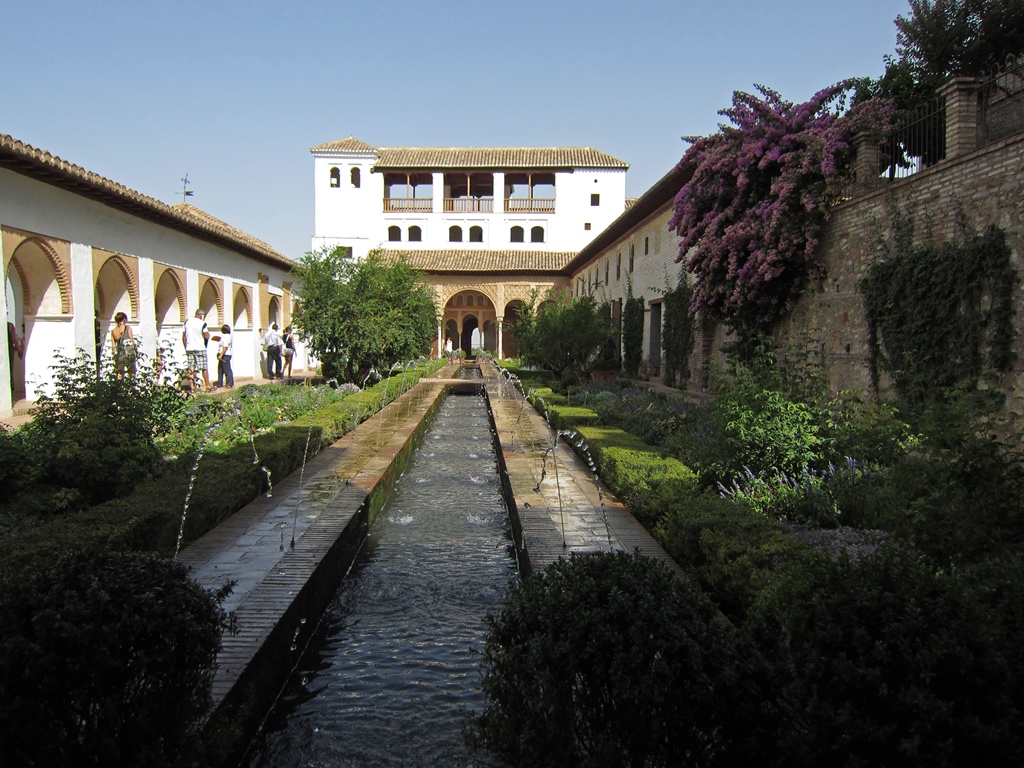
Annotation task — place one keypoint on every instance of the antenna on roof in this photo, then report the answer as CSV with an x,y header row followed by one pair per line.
x,y
185,191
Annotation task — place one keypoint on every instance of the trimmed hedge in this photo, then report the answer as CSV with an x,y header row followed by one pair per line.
x,y
148,518
571,416
646,481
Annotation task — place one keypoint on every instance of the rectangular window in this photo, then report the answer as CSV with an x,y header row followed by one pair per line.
x,y
607,264
587,226
595,199
647,245
618,266
631,258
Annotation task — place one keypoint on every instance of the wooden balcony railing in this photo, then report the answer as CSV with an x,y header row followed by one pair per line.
x,y
469,205
534,205
393,204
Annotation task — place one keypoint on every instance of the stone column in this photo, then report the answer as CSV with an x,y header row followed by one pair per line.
x,y
961,95
498,321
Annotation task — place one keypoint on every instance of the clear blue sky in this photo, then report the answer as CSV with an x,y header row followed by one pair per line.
x,y
235,93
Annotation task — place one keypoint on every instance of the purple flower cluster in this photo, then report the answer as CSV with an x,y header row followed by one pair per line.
x,y
751,214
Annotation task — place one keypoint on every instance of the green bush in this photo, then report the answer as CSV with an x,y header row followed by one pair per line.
x,y
570,416
94,436
609,660
648,483
106,659
733,552
886,661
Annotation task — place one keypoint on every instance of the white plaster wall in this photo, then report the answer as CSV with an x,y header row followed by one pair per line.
x,y
356,217
33,206
347,215
653,272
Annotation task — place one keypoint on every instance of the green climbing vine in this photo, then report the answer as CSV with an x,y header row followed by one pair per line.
x,y
632,332
940,315
677,333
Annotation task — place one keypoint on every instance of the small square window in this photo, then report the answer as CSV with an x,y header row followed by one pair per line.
x,y
586,226
595,199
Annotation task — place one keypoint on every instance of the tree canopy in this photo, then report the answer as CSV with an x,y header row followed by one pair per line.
x,y
941,39
358,315
565,333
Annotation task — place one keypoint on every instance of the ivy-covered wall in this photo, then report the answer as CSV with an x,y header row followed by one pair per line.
x,y
981,188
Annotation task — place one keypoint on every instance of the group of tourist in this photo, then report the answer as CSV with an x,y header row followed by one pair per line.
x,y
196,337
280,351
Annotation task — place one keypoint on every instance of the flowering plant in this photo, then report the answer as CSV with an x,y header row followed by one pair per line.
x,y
750,216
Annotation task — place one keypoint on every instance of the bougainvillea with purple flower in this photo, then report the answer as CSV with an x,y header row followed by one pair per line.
x,y
752,212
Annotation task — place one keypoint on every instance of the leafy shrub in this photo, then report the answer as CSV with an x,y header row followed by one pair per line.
x,y
647,482
570,416
733,552
106,659
608,660
94,436
886,661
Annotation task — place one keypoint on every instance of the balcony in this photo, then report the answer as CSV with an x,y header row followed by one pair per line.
x,y
469,205
401,204
529,205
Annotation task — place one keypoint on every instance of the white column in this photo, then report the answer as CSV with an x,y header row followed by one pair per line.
x,y
499,193
6,398
438,181
83,298
147,307
501,354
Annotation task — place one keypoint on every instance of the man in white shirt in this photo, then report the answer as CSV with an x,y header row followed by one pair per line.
x,y
195,337
273,342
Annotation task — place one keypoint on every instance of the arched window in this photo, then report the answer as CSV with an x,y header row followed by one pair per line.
x,y
395,233
354,175
537,235
516,235
415,234
335,177
476,234
455,234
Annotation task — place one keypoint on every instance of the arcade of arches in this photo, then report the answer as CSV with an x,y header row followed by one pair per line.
x,y
62,296
470,314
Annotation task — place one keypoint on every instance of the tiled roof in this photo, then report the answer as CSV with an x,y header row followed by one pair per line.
x,y
40,165
495,157
479,260
211,220
477,157
348,144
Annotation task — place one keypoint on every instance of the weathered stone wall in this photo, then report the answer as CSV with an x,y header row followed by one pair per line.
x,y
982,187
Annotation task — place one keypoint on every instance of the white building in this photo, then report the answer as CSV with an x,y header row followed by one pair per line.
x,y
431,198
79,248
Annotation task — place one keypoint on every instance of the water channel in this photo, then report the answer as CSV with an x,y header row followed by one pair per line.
x,y
393,672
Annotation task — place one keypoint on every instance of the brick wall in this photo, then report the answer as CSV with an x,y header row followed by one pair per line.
x,y
983,187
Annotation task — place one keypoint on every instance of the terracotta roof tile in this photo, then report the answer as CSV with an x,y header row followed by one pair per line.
x,y
41,165
479,260
348,144
495,157
477,157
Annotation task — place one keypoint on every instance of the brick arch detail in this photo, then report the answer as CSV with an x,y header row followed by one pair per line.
x,y
179,286
130,279
60,270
